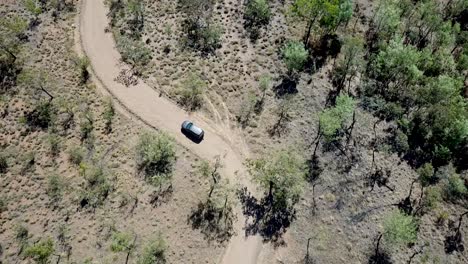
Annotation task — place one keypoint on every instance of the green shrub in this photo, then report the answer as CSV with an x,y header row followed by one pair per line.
x,y
121,242
400,142
433,197
86,125
210,38
156,157
41,251
205,38
426,174
42,116
53,140
153,252
191,92
82,64
294,55
399,228
21,234
97,186
442,217
28,161
76,155
333,119
455,188
257,13
264,83
55,188
108,115
133,52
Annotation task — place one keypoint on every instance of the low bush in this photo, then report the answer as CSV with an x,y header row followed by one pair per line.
x,y
55,188
191,92
86,125
42,116
156,157
41,251
153,252
400,229
121,242
53,140
108,115
257,13
97,186
294,56
76,155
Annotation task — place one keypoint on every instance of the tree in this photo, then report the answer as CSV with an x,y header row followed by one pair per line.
x,y
11,40
330,13
41,251
191,92
440,131
97,186
399,228
455,187
87,125
257,14
108,115
386,19
426,174
133,52
309,11
33,7
82,64
153,252
211,171
284,113
294,56
333,119
136,9
247,108
201,33
400,65
281,175
350,63
11,34
123,242
156,157
55,188
37,81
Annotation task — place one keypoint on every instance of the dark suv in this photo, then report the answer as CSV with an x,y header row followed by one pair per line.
x,y
192,131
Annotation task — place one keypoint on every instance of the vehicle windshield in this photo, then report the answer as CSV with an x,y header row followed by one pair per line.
x,y
189,125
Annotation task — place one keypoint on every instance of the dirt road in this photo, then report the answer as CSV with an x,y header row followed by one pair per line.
x,y
147,105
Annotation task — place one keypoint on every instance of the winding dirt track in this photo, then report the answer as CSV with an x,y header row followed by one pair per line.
x,y
146,104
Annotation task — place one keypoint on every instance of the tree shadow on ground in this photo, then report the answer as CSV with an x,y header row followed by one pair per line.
x,y
287,86
328,46
379,256
161,196
214,223
268,221
314,169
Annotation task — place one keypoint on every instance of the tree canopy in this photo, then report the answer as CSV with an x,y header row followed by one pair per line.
x,y
281,175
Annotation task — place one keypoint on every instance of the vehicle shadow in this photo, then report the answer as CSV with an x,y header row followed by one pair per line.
x,y
191,137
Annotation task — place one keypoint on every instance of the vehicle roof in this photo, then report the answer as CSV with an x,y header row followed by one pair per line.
x,y
196,129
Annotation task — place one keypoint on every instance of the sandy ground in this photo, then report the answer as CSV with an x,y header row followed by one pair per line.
x,y
156,111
